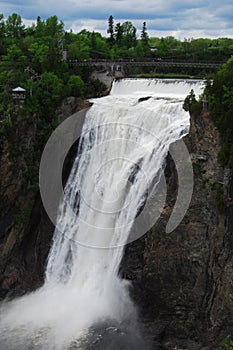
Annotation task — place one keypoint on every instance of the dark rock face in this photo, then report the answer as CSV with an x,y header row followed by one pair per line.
x,y
25,229
17,206
182,281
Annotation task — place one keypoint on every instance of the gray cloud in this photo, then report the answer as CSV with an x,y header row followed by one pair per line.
x,y
181,18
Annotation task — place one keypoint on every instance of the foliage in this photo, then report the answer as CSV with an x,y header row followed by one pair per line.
x,y
145,38
191,105
220,96
14,27
111,30
96,87
125,35
75,86
228,343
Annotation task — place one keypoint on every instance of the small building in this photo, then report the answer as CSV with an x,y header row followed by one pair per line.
x,y
19,94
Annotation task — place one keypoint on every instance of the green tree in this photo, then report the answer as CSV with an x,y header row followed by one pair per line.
x,y
129,38
163,47
99,46
75,86
40,28
220,95
2,26
198,48
228,343
14,26
52,28
144,35
172,42
110,30
14,53
79,50
139,50
39,56
118,34
2,35
192,105
48,92
80,46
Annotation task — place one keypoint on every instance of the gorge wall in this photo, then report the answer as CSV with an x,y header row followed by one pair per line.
x,y
182,281
25,229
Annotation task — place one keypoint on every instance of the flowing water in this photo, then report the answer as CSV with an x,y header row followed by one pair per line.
x,y
120,160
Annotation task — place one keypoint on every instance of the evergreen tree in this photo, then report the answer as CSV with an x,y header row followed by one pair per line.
x,y
119,33
144,36
111,30
2,34
2,26
14,26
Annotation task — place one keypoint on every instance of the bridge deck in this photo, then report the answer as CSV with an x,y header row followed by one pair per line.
x,y
152,63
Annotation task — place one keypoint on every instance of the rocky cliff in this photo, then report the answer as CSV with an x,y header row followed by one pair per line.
x,y
182,281
25,229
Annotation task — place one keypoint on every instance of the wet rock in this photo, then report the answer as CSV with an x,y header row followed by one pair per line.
x,y
182,281
144,98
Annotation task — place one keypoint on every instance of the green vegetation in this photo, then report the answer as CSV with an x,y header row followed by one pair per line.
x,y
192,105
42,44
201,49
220,96
32,58
228,343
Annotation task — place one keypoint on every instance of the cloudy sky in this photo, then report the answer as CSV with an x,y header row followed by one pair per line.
x,y
180,18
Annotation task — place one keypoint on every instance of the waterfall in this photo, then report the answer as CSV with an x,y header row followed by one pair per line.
x,y
121,156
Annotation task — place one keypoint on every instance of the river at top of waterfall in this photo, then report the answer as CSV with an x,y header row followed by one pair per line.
x,y
120,160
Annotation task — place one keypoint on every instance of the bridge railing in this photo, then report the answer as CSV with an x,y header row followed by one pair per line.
x,y
145,62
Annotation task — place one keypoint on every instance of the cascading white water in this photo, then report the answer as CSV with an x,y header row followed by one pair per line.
x,y
124,143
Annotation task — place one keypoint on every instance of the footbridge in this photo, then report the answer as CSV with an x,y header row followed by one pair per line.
x,y
119,65
106,70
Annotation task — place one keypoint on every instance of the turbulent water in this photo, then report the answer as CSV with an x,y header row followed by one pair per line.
x,y
122,150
